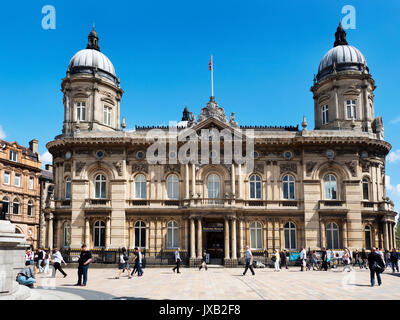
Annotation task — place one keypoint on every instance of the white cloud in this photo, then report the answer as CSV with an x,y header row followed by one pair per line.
x,y
395,120
394,156
395,190
2,133
46,158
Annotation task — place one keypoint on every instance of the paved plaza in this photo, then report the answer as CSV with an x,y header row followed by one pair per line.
x,y
220,283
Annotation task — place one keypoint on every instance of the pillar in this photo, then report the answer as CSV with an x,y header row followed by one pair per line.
x,y
323,234
147,235
199,238
385,236
87,232
108,233
194,179
50,233
192,246
234,243
239,172
394,235
241,237
187,181
233,187
186,232
344,235
226,239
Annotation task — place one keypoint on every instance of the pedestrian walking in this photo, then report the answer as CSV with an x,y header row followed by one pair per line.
x,y
46,261
123,264
324,258
314,261
29,256
303,258
276,259
283,259
387,258
357,259
204,261
177,260
57,260
376,266
394,260
364,258
138,262
84,261
248,256
40,261
346,260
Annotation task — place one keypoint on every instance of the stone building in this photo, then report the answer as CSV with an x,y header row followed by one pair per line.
x,y
313,188
20,169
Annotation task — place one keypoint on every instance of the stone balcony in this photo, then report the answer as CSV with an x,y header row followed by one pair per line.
x,y
98,204
333,205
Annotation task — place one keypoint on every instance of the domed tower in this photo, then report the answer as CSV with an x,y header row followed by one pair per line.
x,y
343,88
91,91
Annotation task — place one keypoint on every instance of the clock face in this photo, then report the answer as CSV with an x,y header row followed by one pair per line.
x,y
330,154
68,155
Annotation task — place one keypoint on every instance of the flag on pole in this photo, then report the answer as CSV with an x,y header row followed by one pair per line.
x,y
210,66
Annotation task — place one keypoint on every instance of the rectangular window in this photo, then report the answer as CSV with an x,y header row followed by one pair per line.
x,y
6,178
351,109
13,156
81,111
31,183
17,180
107,116
325,116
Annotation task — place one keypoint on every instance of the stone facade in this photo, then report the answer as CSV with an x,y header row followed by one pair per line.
x,y
20,169
308,188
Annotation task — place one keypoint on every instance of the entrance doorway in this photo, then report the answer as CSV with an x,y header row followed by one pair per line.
x,y
214,241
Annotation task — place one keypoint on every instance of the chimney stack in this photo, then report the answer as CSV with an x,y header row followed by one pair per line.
x,y
33,145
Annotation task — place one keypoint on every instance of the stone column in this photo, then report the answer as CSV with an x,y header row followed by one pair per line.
x,y
194,179
323,234
385,235
234,245
239,172
50,232
87,232
147,236
186,233
108,233
227,256
199,238
233,183
241,235
187,181
344,234
192,237
394,235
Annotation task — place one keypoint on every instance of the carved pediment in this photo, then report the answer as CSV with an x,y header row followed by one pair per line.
x,y
288,167
352,166
79,165
309,167
140,167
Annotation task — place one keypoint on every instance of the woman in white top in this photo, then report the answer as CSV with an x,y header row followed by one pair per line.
x,y
346,260
276,262
46,262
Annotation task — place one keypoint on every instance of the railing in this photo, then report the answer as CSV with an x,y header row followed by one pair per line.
x,y
63,203
133,203
172,202
98,203
332,204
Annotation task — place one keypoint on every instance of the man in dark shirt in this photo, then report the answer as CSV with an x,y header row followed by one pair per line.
x,y
394,260
324,258
84,261
376,266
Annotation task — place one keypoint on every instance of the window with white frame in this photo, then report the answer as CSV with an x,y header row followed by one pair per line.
x,y
107,115
332,236
140,186
351,109
99,234
330,187
290,235
68,188
255,187
100,186
13,156
30,208
140,234
31,182
81,111
172,235
325,114
17,180
213,187
172,186
288,187
256,235
6,179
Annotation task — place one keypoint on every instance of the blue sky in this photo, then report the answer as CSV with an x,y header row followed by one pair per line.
x,y
160,49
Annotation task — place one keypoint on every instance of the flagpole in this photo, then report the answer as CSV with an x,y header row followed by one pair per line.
x,y
212,77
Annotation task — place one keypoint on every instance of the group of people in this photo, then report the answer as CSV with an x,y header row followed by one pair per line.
x,y
27,275
125,265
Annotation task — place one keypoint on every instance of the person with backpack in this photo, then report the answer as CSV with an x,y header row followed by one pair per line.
x,y
376,266
123,264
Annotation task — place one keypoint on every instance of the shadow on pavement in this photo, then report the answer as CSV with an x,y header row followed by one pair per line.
x,y
84,293
130,298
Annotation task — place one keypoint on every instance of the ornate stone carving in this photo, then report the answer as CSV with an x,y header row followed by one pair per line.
x,y
67,167
119,166
382,171
309,167
365,166
83,151
352,166
288,167
114,151
228,167
143,167
259,167
172,168
79,166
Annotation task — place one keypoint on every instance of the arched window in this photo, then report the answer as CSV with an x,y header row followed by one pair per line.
x,y
140,187
365,188
290,235
213,186
67,234
288,187
255,187
30,208
256,235
172,187
99,234
16,206
330,187
100,186
6,205
140,234
172,235
368,237
68,188
332,236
